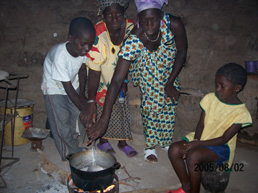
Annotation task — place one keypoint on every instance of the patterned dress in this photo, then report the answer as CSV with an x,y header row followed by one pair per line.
x,y
150,70
103,57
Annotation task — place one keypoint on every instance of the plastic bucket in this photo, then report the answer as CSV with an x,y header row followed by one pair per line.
x,y
23,120
251,66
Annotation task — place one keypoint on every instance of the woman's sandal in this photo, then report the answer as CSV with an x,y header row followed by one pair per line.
x,y
165,148
106,147
128,149
149,152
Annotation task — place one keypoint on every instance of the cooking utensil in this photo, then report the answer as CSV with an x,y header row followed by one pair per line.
x,y
94,167
184,93
103,164
35,133
81,129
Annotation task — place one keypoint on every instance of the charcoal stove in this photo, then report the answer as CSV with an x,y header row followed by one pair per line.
x,y
112,188
36,144
36,135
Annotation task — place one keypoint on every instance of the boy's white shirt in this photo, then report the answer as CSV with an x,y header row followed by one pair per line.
x,y
60,66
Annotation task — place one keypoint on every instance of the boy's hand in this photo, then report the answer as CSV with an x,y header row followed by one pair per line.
x,y
189,146
183,152
83,100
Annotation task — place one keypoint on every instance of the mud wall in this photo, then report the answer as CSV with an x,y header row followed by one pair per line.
x,y
219,31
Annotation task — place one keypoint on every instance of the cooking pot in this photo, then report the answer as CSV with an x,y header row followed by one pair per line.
x,y
93,169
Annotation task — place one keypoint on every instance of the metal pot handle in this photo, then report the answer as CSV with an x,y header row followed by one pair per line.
x,y
116,166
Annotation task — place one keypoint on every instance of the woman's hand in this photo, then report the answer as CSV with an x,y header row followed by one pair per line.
x,y
171,92
97,130
100,127
88,115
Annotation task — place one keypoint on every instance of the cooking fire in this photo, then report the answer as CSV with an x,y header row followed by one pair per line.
x,y
113,188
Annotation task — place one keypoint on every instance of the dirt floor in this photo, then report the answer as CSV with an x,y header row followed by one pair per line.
x,y
48,175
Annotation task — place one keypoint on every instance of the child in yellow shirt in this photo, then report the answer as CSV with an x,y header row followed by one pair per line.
x,y
214,140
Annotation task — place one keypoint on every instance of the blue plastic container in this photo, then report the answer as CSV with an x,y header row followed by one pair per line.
x,y
251,66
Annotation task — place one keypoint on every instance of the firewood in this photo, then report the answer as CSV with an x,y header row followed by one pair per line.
x,y
155,190
53,170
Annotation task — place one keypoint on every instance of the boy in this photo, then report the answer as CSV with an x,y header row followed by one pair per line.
x,y
64,76
214,140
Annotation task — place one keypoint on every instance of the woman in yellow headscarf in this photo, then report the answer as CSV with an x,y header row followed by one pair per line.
x,y
111,32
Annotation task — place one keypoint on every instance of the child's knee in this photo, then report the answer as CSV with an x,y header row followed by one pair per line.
x,y
175,149
192,158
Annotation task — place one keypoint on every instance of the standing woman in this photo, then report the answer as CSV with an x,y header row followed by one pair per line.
x,y
155,52
111,32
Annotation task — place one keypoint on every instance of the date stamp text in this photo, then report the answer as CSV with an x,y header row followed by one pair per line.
x,y
236,167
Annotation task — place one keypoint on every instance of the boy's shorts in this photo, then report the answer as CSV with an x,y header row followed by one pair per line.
x,y
222,151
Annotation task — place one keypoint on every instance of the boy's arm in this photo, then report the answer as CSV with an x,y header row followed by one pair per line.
x,y
89,114
82,83
229,133
72,94
200,126
77,99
